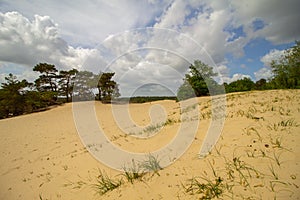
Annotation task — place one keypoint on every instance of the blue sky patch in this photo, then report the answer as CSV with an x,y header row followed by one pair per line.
x,y
258,24
235,33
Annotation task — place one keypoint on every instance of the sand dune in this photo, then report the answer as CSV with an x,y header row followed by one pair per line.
x,y
42,156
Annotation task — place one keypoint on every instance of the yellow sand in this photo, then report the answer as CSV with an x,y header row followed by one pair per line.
x,y
42,157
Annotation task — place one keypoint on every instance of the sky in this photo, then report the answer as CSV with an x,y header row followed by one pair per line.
x,y
149,44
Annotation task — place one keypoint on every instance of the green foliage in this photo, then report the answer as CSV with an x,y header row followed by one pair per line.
x,y
286,70
144,99
133,172
105,183
208,190
151,164
84,84
12,98
47,81
185,91
261,84
245,84
18,97
66,82
197,82
107,88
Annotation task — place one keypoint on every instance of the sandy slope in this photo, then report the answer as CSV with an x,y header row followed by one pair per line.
x,y
41,155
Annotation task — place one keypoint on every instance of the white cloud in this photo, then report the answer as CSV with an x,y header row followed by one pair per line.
x,y
20,71
273,54
67,34
236,77
264,73
224,75
201,23
89,22
280,19
28,42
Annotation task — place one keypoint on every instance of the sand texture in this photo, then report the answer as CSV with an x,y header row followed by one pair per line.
x,y
256,157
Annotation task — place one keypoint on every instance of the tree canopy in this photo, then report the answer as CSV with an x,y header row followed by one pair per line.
x,y
245,84
286,71
53,87
107,88
12,96
196,82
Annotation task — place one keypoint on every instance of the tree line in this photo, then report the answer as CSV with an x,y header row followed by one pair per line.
x,y
54,87
286,75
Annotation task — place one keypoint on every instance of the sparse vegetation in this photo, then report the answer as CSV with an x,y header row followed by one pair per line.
x,y
105,184
133,172
208,190
151,164
267,144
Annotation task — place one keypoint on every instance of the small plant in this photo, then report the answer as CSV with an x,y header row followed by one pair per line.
x,y
252,130
170,122
273,127
212,168
133,172
151,164
277,143
189,108
263,153
218,150
105,183
274,183
288,122
275,175
277,158
244,171
76,185
208,190
151,129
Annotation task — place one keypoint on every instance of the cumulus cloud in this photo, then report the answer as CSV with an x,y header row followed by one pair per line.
x,y
236,77
264,73
279,19
28,42
205,30
273,54
224,75
199,21
20,71
89,22
156,56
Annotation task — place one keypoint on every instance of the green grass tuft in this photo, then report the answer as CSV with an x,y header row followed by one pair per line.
x,y
105,183
151,164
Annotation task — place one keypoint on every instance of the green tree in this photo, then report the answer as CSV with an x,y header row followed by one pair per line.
x,y
47,81
199,78
286,70
85,84
185,91
66,83
12,100
261,84
245,84
107,88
